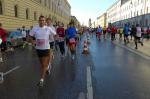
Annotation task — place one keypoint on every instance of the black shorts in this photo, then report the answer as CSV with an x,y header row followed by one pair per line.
x,y
24,39
138,38
3,46
126,35
51,45
42,53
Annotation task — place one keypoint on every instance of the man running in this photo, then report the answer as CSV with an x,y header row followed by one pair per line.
x,y
3,33
99,32
61,38
51,42
126,33
42,34
138,36
71,34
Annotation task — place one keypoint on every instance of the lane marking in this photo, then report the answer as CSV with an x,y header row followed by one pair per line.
x,y
89,83
6,73
15,68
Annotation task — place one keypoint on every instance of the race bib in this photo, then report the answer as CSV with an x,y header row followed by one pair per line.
x,y
41,43
72,40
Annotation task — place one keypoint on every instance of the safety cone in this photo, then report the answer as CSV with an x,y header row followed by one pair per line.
x,y
85,48
88,41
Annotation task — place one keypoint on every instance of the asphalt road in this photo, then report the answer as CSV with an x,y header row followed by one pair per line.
x,y
118,73
108,72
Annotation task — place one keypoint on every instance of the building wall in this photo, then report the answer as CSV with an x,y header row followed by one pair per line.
x,y
131,11
48,8
113,13
102,20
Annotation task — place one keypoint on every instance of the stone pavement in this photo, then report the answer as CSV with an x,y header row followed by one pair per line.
x,y
141,49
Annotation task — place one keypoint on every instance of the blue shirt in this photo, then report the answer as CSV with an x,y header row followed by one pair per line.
x,y
99,30
126,30
71,32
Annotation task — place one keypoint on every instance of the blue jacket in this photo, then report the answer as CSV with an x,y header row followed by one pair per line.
x,y
71,32
126,30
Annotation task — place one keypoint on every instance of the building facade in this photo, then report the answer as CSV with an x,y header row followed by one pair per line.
x,y
17,13
76,21
102,20
131,12
113,13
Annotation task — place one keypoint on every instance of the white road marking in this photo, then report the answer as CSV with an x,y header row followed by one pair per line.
x,y
6,73
11,70
89,83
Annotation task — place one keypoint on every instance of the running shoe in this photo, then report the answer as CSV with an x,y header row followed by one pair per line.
x,y
41,83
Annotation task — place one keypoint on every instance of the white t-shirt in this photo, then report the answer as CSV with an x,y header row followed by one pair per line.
x,y
53,32
24,33
41,35
139,32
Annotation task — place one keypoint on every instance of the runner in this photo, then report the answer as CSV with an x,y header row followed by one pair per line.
x,y
138,36
67,39
126,34
3,37
42,34
99,31
61,38
51,42
148,33
71,34
133,32
113,33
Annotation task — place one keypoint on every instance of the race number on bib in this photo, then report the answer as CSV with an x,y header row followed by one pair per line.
x,y
72,40
41,42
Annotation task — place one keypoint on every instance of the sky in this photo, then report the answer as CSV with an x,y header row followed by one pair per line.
x,y
86,9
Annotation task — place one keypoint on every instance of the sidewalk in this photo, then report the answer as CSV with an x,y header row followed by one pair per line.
x,y
141,49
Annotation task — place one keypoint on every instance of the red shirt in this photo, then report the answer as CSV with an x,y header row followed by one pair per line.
x,y
113,30
61,32
148,31
3,35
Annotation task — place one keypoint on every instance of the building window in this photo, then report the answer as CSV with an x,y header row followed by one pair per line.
x,y
146,22
45,2
16,10
35,16
1,7
27,13
49,4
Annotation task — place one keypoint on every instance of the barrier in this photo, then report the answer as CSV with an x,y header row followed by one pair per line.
x,y
85,47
